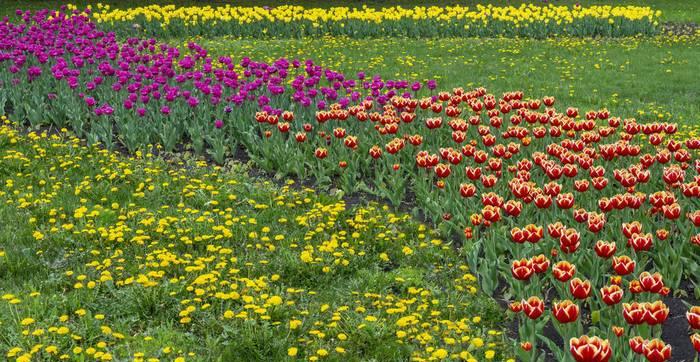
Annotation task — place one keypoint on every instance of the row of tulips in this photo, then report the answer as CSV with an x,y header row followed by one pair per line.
x,y
527,20
608,204
60,68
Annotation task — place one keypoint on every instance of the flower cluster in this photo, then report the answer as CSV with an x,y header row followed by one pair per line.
x,y
435,21
73,73
600,210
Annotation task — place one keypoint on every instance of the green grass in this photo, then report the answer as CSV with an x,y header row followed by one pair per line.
x,y
673,10
136,258
646,78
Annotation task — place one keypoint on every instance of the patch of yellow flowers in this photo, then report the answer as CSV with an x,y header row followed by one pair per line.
x,y
289,13
140,260
290,21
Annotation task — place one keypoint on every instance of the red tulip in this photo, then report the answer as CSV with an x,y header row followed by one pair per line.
x,y
580,215
563,271
693,317
611,294
565,311
394,146
565,201
673,175
521,269
605,249
656,350
599,183
415,140
635,287
641,242
590,349
580,289
695,340
473,173
491,213
518,235
623,265
633,313
339,132
489,180
526,346
442,170
512,208
618,331
695,239
454,157
407,117
540,263
433,123
581,185
631,228
533,307
655,313
351,142
467,190
375,152
468,232
492,199
534,233
596,171
596,222
694,217
282,127
637,344
671,212
662,234
652,283
555,229
543,201
321,153
553,189
459,136
570,240
480,156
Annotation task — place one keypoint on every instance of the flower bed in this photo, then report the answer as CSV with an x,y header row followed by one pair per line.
x,y
116,258
526,20
598,210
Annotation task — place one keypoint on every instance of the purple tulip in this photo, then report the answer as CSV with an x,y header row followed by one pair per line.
x,y
90,101
432,84
136,72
